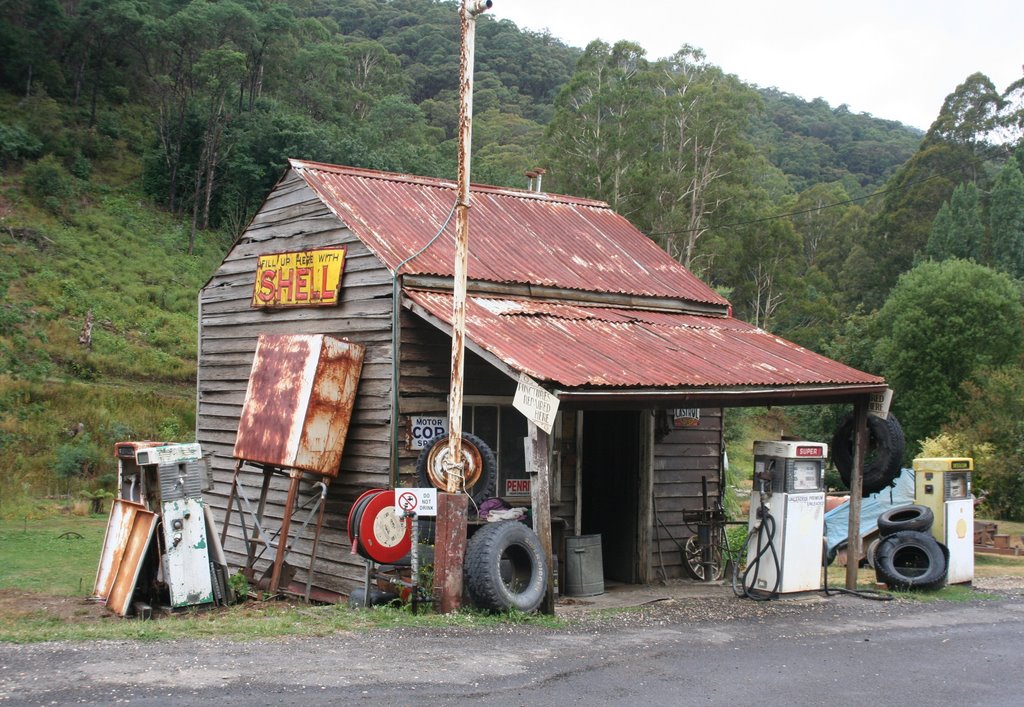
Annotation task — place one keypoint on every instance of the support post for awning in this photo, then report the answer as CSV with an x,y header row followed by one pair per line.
x,y
860,447
539,467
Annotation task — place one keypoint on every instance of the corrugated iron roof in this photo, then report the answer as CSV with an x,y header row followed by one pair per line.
x,y
516,236
574,346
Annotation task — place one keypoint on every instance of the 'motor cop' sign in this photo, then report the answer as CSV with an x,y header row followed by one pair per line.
x,y
309,278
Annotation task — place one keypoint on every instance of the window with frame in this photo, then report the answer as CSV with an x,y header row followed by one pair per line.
x,y
503,428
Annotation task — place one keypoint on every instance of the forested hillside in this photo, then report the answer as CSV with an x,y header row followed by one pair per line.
x,y
138,136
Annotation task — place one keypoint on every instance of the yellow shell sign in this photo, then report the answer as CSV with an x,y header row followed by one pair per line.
x,y
309,278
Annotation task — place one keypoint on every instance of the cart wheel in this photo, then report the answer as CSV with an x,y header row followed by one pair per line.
x,y
693,560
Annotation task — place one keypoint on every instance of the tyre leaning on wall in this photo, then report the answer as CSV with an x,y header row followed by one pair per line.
x,y
480,471
505,567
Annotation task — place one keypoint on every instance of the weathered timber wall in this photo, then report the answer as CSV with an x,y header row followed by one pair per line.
x,y
293,219
681,459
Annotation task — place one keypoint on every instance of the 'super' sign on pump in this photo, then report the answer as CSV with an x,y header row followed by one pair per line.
x,y
303,279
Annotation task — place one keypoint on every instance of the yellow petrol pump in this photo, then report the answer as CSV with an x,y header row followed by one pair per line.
x,y
944,485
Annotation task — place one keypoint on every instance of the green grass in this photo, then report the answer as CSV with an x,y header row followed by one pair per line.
x,y
110,253
45,556
952,592
252,621
34,558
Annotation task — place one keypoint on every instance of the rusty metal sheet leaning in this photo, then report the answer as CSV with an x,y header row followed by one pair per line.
x,y
299,402
129,531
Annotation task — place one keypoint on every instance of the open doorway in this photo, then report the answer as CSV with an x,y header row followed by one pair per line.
x,y
611,489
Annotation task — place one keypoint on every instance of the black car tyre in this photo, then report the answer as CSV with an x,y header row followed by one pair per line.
x,y
910,559
884,456
505,567
912,517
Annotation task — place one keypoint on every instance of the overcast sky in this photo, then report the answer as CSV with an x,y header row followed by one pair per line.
x,y
895,59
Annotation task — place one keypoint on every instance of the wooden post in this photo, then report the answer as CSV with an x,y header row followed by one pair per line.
x,y
294,477
452,510
538,465
577,525
455,466
468,11
860,447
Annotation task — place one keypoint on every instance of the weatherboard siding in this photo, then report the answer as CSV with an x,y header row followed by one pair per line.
x,y
294,219
681,458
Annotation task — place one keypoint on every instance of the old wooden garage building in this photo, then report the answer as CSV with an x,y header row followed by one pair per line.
x,y
641,355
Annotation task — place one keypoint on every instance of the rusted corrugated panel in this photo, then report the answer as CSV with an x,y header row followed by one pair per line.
x,y
576,346
516,236
299,402
129,531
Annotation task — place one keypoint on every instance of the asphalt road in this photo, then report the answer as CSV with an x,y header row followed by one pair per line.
x,y
830,651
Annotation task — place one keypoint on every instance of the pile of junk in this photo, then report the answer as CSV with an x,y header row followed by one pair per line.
x,y
916,524
161,548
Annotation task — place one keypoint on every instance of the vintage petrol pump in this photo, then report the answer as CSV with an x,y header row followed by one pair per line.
x,y
944,485
787,517
169,479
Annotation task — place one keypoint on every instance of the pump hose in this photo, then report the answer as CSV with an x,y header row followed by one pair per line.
x,y
872,594
754,564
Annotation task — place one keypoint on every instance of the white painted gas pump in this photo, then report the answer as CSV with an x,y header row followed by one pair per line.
x,y
944,485
787,518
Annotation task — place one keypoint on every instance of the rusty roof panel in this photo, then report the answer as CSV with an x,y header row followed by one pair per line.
x,y
516,236
577,346
299,402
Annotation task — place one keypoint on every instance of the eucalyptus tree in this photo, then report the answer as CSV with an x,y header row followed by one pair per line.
x,y
1006,220
32,35
104,45
178,73
700,115
599,140
958,230
900,231
968,114
952,152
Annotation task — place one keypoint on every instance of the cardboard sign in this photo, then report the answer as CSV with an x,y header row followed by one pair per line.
x,y
309,278
538,405
879,404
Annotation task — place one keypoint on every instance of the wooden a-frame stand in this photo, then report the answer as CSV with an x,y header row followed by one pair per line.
x,y
280,571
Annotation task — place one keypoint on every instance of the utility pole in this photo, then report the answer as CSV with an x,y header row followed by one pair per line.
x,y
453,505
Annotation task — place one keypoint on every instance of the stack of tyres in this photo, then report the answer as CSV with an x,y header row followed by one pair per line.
x,y
907,556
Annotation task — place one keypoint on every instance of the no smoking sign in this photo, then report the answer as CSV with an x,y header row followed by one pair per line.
x,y
422,502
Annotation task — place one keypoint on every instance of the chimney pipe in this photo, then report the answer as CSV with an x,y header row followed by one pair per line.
x,y
530,175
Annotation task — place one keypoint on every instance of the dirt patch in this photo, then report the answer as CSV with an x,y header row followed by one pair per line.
x,y
1005,583
17,603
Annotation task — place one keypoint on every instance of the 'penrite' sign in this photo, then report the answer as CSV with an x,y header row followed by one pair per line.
x,y
309,278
